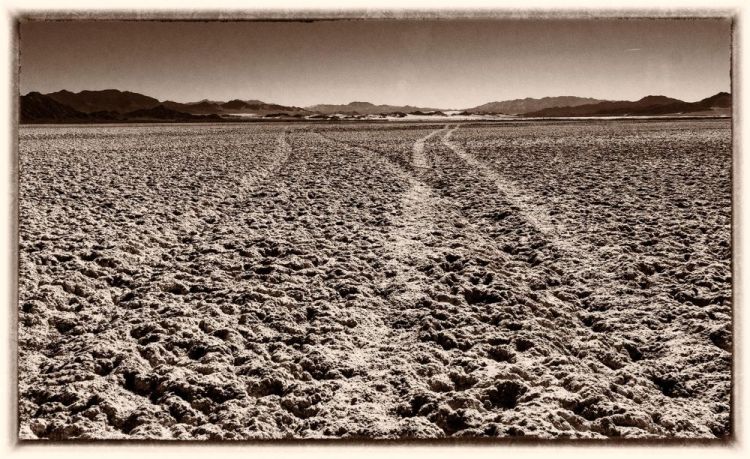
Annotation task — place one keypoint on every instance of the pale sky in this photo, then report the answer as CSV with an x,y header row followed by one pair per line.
x,y
443,64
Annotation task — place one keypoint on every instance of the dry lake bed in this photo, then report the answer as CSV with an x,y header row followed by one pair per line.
x,y
380,281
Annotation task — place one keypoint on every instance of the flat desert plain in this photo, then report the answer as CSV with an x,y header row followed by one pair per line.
x,y
376,281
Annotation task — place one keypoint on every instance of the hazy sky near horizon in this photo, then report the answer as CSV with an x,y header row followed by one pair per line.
x,y
441,64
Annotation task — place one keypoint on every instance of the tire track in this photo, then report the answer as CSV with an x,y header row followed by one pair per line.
x,y
422,209
388,352
415,243
419,160
258,176
418,216
536,214
422,212
183,207
360,399
429,228
432,227
336,292
586,350
586,275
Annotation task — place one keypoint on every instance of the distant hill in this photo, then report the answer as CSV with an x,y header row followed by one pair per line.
x,y
113,100
233,107
204,107
719,100
365,108
520,106
648,106
110,100
36,107
39,108
259,107
112,105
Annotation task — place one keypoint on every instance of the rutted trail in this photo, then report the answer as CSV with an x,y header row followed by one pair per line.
x,y
633,249
419,214
537,214
609,306
456,282
419,160
267,171
340,281
119,299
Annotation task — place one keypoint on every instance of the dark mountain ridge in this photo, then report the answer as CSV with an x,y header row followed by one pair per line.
x,y
123,106
647,106
233,107
111,100
365,108
36,108
520,106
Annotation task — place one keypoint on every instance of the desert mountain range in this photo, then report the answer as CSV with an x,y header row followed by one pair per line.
x,y
113,105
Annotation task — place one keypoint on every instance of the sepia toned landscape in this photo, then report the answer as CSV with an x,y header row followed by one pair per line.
x,y
559,279
245,250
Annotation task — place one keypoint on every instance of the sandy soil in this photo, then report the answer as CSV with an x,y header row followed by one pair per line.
x,y
555,280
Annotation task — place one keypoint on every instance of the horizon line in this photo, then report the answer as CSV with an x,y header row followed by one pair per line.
x,y
161,101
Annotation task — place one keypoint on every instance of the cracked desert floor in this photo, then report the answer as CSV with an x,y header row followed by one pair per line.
x,y
387,280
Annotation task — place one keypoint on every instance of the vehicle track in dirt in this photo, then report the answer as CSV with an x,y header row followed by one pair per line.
x,y
609,306
126,320
362,282
530,206
422,212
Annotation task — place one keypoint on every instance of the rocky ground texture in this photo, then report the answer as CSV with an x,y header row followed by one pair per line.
x,y
267,281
